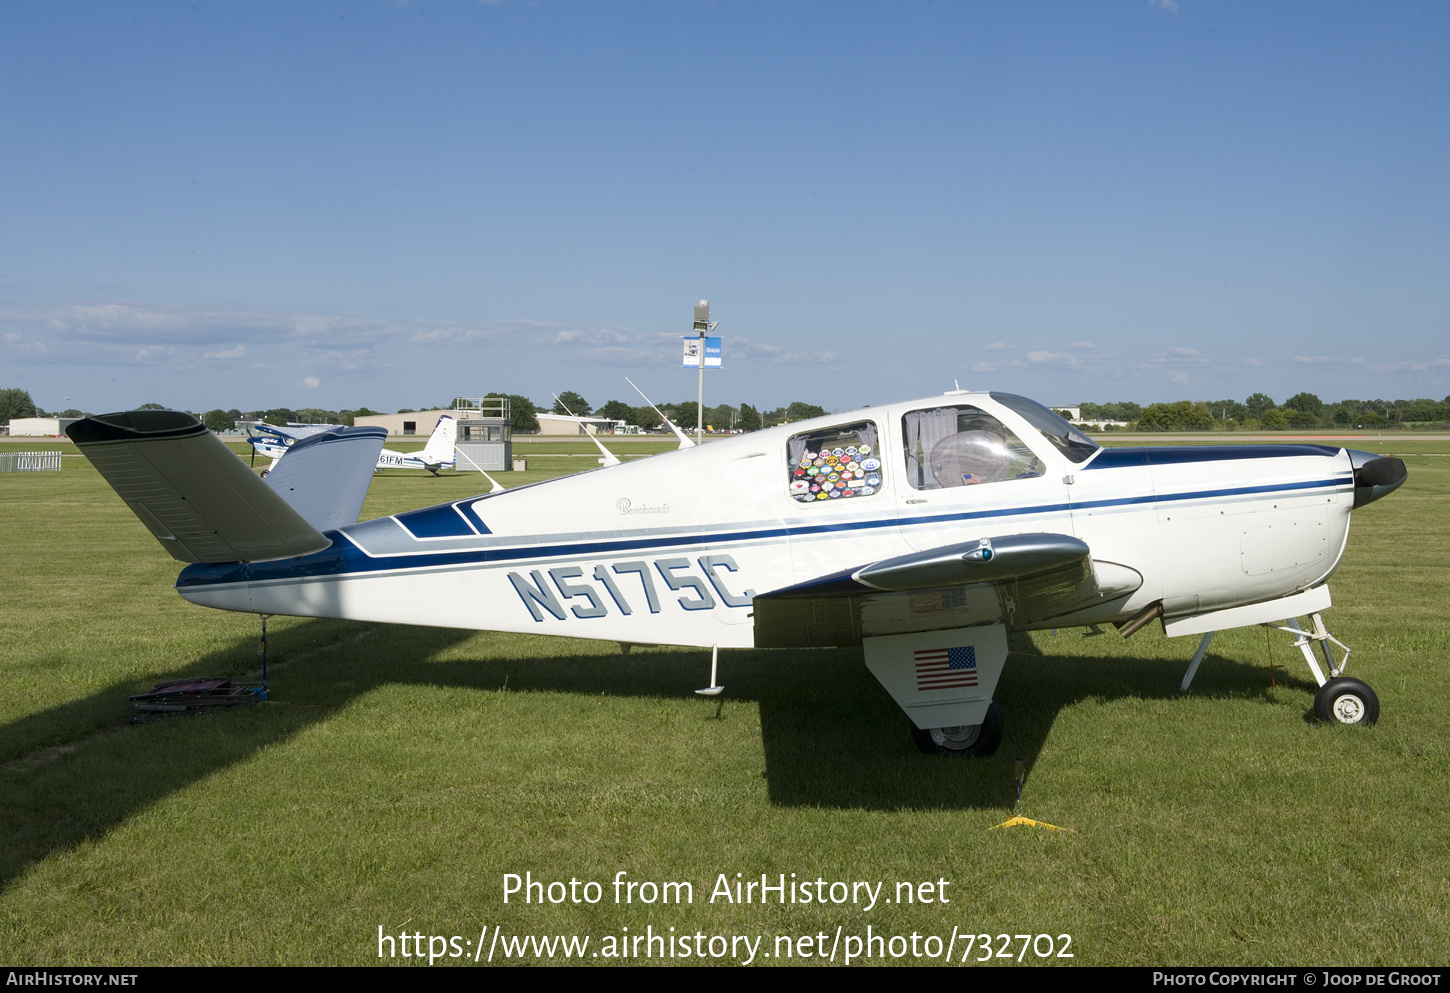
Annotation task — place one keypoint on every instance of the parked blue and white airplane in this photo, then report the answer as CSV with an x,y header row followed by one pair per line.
x,y
439,453
926,532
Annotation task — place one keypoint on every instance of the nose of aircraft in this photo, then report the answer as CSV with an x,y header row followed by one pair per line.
x,y
1375,476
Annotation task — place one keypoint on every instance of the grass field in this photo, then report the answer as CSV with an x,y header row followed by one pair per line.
x,y
398,775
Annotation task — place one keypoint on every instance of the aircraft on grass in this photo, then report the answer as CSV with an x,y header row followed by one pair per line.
x,y
439,453
926,532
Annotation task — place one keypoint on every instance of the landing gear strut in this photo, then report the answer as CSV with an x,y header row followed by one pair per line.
x,y
1340,700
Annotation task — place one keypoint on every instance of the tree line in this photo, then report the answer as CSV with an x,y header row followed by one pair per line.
x,y
1303,411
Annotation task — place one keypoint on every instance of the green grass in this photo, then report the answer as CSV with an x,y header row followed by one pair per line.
x,y
400,772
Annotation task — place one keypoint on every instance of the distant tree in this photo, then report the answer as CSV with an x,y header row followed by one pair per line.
x,y
523,415
1124,411
16,403
1228,410
721,418
316,415
349,417
617,410
1302,419
799,411
684,415
749,418
646,418
577,405
1275,418
153,406
218,421
1306,402
1181,416
1258,404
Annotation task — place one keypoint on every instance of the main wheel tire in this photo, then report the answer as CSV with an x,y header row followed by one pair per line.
x,y
976,740
1346,701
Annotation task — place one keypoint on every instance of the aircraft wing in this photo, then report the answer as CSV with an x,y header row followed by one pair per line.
x,y
988,580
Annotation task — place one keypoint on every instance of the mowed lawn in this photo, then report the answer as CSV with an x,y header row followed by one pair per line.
x,y
398,775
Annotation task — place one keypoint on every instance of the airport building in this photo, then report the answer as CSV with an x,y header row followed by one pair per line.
x,y
40,427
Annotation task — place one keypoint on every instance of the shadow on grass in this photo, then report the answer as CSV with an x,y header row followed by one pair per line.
x,y
831,735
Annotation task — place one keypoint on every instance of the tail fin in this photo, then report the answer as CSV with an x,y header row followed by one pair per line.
x,y
200,501
325,477
439,450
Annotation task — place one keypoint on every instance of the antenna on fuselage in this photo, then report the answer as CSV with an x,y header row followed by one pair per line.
x,y
685,441
497,486
609,457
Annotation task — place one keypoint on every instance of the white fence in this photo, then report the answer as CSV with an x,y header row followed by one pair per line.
x,y
29,461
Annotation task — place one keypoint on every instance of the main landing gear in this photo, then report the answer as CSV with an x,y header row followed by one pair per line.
x,y
976,740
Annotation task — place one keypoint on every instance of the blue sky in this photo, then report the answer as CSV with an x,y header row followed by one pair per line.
x,y
389,204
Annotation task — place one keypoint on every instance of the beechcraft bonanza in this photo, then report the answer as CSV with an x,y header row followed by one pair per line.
x,y
439,453
926,532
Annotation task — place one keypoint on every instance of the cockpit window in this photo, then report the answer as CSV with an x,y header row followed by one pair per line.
x,y
1067,439
834,464
962,446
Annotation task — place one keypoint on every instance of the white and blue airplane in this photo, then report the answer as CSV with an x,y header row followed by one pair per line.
x,y
439,453
926,532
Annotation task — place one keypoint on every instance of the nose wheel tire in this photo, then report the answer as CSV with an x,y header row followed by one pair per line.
x,y
976,740
1346,701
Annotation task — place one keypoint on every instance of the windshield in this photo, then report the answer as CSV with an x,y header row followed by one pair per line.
x,y
1067,439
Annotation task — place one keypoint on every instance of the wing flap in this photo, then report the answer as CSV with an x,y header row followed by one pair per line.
x,y
200,501
1021,577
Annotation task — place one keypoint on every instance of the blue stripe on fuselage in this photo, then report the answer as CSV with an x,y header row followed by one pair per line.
x,y
1120,458
344,557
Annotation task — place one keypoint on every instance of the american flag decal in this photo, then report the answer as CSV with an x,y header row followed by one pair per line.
x,y
946,668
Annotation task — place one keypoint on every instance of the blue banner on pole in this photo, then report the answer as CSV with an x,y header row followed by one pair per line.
x,y
692,353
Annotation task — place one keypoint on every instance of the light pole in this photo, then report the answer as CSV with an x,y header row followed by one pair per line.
x,y
702,328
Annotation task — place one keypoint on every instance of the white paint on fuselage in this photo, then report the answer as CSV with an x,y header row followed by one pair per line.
x,y
1184,526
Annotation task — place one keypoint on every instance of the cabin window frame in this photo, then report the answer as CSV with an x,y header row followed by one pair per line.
x,y
808,480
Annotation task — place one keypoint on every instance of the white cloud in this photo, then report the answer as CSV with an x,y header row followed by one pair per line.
x,y
995,346
1169,5
311,382
145,324
1053,358
230,353
1081,344
1331,361
1176,357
